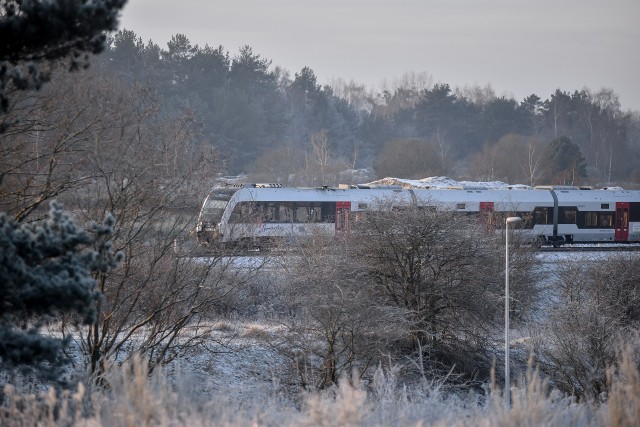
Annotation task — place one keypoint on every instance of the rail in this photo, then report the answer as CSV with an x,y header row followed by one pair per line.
x,y
592,248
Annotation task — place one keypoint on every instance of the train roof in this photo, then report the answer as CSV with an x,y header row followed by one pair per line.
x,y
471,195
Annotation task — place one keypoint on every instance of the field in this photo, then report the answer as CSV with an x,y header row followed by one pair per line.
x,y
242,377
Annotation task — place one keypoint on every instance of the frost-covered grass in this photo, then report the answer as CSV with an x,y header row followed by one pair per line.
x,y
242,380
136,398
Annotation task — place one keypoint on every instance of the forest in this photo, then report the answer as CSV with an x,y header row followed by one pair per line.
x,y
260,121
291,129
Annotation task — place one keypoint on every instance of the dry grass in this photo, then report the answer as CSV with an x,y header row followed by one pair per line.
x,y
622,409
534,404
136,398
346,408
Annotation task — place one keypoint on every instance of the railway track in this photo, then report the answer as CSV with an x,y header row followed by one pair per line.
x,y
204,252
592,248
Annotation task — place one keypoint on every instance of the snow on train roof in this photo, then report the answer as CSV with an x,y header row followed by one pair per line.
x,y
442,182
433,183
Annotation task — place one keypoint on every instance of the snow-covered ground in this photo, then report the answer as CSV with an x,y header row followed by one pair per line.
x,y
584,257
237,362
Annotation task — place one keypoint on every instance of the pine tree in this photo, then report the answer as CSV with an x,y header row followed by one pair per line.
x,y
35,32
47,269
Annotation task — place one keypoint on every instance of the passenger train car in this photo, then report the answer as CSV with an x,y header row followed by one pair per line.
x,y
254,215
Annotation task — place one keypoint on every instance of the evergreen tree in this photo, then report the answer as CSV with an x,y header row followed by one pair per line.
x,y
501,116
46,270
442,116
34,32
531,109
566,161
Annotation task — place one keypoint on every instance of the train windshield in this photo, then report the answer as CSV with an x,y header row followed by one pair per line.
x,y
213,207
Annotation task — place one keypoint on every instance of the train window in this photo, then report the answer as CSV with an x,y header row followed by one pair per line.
x,y
595,219
308,212
605,220
245,212
527,219
302,214
269,212
362,206
543,215
634,212
285,212
213,209
315,214
623,218
567,215
328,213
590,219
604,206
460,206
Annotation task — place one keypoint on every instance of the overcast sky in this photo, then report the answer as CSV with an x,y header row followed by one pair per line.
x,y
520,47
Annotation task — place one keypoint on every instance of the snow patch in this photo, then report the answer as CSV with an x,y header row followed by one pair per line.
x,y
442,182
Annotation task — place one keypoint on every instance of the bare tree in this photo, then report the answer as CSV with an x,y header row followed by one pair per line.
x,y
320,166
513,158
354,93
444,148
147,174
483,164
42,154
446,272
476,94
334,327
320,154
531,163
407,283
279,164
595,314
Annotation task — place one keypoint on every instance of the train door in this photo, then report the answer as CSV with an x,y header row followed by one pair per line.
x,y
622,222
343,211
486,216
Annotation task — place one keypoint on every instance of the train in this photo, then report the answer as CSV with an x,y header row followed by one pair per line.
x,y
257,215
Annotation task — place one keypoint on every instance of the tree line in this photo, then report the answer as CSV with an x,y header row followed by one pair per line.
x,y
265,122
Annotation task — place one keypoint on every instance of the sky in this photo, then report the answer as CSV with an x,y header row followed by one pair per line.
x,y
519,47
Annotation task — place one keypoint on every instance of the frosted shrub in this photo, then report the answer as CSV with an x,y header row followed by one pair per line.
x,y
595,311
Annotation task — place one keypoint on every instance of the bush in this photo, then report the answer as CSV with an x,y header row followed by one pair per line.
x,y
447,273
596,312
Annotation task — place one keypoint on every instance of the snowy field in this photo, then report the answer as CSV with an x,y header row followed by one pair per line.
x,y
240,380
248,364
